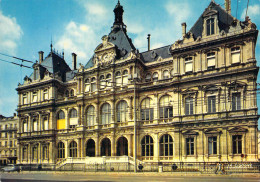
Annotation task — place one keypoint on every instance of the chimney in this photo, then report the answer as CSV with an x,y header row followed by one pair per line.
x,y
148,38
74,61
183,25
228,6
40,56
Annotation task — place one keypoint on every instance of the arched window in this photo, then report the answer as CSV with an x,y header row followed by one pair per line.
x,y
122,111
61,150
106,114
73,118
73,149
118,79
72,93
93,84
109,80
146,110
61,115
155,76
73,113
165,109
166,145
125,77
166,74
91,116
147,146
61,123
67,93
45,152
87,85
102,82
148,77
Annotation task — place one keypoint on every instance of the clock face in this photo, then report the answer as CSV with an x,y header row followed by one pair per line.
x,y
105,57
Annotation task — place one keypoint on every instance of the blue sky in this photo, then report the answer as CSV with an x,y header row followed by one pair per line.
x,y
27,26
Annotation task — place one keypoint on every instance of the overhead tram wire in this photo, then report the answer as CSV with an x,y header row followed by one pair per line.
x,y
23,60
21,65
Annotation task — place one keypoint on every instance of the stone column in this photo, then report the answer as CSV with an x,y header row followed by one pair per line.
x,y
156,148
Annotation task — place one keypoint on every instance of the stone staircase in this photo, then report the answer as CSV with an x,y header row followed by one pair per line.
x,y
97,160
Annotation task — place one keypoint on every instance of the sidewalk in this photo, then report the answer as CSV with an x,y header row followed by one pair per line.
x,y
253,175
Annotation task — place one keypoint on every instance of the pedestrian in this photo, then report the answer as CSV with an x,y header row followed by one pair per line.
x,y
219,168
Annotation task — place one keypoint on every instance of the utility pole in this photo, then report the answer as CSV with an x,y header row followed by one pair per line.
x,y
135,142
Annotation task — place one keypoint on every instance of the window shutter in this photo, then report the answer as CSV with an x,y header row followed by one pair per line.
x,y
151,114
211,62
191,105
161,112
188,67
235,57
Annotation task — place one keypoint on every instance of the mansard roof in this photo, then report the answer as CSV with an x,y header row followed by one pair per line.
x,y
224,19
153,55
55,63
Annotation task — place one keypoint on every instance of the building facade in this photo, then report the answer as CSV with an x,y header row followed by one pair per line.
x,y
8,141
192,101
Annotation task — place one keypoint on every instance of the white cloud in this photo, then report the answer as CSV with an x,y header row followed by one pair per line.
x,y
164,34
82,38
253,12
11,33
95,9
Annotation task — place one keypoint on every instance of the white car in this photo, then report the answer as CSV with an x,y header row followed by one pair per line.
x,y
11,167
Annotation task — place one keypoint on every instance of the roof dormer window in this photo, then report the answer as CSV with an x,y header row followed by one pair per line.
x,y
210,23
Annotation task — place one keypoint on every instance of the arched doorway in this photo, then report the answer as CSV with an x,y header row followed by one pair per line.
x,y
122,146
106,147
90,148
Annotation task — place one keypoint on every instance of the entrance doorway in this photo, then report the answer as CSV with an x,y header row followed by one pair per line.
x,y
122,147
106,147
90,148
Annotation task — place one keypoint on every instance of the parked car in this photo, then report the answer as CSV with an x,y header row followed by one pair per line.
x,y
11,168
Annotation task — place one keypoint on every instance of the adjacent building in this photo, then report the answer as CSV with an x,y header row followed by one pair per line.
x,y
191,101
8,141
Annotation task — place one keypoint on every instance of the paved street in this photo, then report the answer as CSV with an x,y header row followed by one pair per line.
x,y
122,177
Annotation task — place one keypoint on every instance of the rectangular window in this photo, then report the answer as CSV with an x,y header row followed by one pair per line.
x,y
210,26
24,153
188,64
35,124
236,101
237,144
93,87
45,95
211,59
147,114
46,124
34,97
235,55
211,104
189,106
118,81
24,98
125,80
212,141
87,87
189,146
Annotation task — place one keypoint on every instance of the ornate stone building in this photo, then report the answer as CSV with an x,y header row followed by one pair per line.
x,y
192,101
8,141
